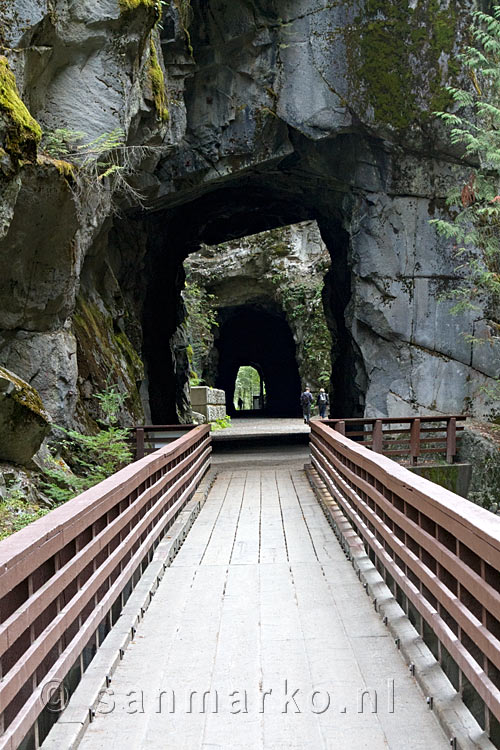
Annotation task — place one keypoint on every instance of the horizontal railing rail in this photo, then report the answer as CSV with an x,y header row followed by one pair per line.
x,y
65,578
439,554
149,438
406,437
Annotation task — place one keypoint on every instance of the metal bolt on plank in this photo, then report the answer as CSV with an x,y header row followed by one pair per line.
x,y
411,668
430,701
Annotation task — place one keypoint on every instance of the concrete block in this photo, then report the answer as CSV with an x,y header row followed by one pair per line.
x,y
215,412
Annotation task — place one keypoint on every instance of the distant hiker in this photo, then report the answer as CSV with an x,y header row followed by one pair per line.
x,y
322,402
240,403
306,400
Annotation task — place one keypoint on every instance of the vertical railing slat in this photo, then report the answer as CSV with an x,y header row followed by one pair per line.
x,y
378,438
451,440
415,441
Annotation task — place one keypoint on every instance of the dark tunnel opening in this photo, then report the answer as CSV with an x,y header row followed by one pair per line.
x,y
241,209
250,335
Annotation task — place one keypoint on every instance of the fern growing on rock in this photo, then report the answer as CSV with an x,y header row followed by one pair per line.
x,y
474,226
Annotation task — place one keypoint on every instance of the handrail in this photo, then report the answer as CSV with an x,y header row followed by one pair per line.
x,y
65,578
440,555
148,437
412,441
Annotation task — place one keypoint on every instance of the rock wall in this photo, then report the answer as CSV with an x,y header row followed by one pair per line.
x,y
480,446
68,325
282,271
266,114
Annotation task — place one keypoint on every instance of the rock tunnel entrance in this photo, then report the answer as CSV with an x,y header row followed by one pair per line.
x,y
252,335
251,331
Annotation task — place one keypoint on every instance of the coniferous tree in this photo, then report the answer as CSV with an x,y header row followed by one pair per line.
x,y
474,224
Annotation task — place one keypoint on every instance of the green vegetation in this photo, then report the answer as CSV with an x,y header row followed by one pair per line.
x,y
23,133
98,166
247,386
16,511
157,83
88,460
92,458
98,153
221,423
185,16
200,323
104,353
394,51
303,305
24,394
474,223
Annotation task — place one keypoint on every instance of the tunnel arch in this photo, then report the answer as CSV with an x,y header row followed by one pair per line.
x,y
238,208
248,335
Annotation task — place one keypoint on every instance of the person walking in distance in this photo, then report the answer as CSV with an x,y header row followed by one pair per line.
x,y
322,402
305,402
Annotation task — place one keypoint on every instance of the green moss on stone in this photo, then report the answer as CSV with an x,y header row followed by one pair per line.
x,y
105,355
65,168
24,394
22,132
157,83
127,6
394,52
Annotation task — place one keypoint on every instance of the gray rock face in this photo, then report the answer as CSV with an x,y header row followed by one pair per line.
x,y
484,455
23,421
80,66
286,112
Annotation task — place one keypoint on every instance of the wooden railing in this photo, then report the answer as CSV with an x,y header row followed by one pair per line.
x,y
410,437
439,554
65,578
149,438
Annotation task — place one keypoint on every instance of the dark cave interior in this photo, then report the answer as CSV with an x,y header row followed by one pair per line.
x,y
251,335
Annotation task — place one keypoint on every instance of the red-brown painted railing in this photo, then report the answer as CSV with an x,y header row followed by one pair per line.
x,y
410,437
64,578
148,438
441,551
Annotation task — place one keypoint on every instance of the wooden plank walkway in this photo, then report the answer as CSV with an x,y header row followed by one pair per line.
x,y
261,608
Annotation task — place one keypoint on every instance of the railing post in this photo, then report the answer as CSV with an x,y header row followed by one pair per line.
x,y
415,441
451,440
139,437
377,437
340,427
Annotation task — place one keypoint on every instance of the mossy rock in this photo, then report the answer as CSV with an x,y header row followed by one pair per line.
x,y
106,355
24,423
129,6
396,52
157,81
19,131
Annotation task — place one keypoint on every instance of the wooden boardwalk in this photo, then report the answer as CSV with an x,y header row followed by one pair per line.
x,y
261,608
